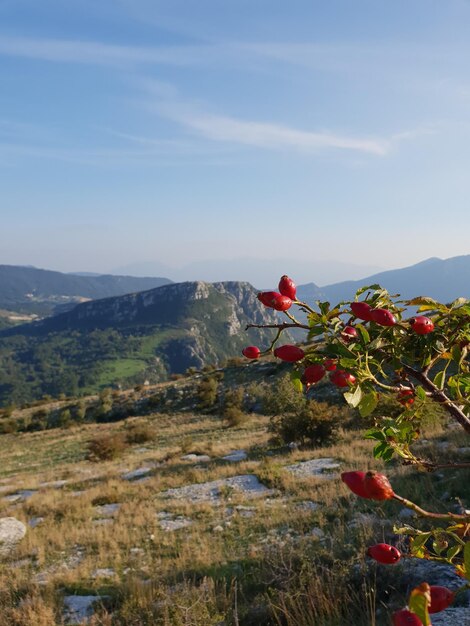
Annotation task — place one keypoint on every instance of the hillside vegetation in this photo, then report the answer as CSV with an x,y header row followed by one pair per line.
x,y
128,340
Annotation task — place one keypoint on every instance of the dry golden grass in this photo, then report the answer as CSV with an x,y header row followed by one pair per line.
x,y
196,575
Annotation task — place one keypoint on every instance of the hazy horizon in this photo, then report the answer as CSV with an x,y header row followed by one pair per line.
x,y
331,135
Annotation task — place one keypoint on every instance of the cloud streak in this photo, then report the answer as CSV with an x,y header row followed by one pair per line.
x,y
276,136
99,53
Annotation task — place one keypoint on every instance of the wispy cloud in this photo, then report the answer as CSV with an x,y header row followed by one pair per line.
x,y
265,135
99,53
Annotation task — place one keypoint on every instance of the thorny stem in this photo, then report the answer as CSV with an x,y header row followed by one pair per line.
x,y
282,326
443,516
439,396
291,317
304,305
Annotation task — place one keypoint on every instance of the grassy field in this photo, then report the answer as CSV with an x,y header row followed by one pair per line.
x,y
293,555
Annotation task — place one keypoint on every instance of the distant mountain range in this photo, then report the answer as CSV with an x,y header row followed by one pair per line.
x,y
129,339
150,334
31,290
441,279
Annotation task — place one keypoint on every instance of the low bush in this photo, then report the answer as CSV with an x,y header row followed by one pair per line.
x,y
140,433
106,447
315,424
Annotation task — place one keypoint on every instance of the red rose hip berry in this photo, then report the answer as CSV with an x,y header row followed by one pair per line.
x,y
349,333
384,553
406,397
382,317
441,598
421,325
313,373
289,353
330,365
251,352
268,298
377,486
361,310
287,287
355,482
341,378
406,618
282,303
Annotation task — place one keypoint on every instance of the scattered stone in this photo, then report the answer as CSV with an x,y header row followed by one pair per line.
x,y
196,458
245,511
406,514
77,609
102,521
464,451
247,485
416,570
363,519
12,532
317,533
22,563
20,496
105,510
235,456
142,450
76,494
35,521
55,484
170,522
141,472
315,467
458,616
307,506
218,529
103,572
136,551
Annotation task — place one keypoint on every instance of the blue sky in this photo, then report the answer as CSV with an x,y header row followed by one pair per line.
x,y
234,139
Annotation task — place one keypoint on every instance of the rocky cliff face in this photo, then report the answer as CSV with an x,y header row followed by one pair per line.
x,y
170,304
141,336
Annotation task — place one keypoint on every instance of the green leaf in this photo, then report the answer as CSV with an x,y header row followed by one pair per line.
x,y
364,335
353,397
368,403
417,544
368,288
423,300
375,434
453,551
420,601
456,353
458,303
295,377
466,560
382,449
420,393
439,379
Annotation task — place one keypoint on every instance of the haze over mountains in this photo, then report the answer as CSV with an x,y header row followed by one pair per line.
x,y
443,280
33,290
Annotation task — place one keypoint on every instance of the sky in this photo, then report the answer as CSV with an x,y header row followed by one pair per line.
x,y
234,139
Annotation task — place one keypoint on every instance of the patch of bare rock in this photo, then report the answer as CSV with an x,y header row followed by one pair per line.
x,y
214,491
322,468
12,532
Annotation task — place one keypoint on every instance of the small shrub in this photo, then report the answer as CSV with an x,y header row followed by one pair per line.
x,y
235,416
207,393
8,426
283,398
140,433
316,424
39,421
106,447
